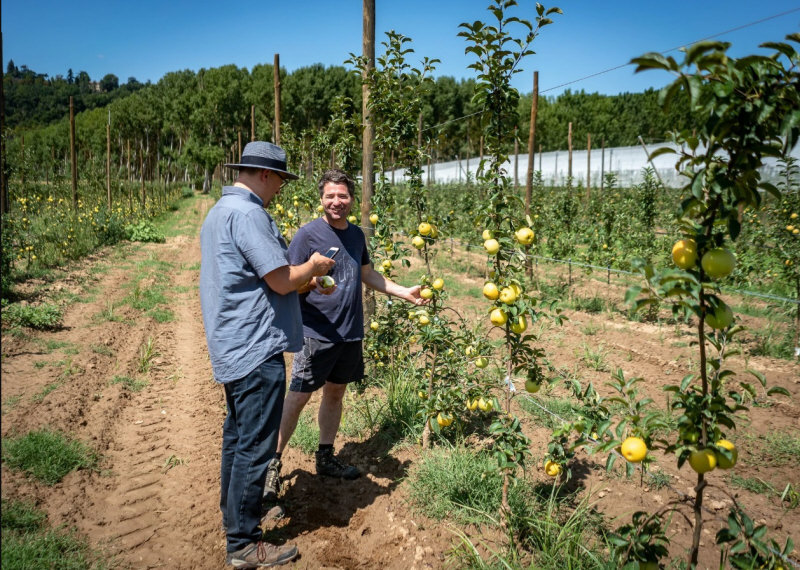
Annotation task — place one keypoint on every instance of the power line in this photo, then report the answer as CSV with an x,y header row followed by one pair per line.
x,y
610,69
736,29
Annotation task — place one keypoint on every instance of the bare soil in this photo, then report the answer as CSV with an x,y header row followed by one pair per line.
x,y
154,501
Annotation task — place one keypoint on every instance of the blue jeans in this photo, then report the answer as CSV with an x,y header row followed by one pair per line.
x,y
249,441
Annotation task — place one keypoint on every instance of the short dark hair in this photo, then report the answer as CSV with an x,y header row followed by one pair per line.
x,y
336,176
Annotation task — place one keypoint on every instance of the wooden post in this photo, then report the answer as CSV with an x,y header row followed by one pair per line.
x,y
141,176
588,165
108,160
428,182
368,150
252,123
419,130
276,70
4,201
569,147
73,158
516,157
531,141
602,163
469,151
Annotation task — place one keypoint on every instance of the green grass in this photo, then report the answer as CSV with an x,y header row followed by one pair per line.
x,y
464,487
101,349
28,542
10,403
161,315
51,345
594,357
47,455
773,341
40,317
306,435
589,305
147,353
752,484
39,396
130,384
562,408
658,479
773,448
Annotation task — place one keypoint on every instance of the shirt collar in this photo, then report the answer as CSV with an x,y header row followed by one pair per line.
x,y
243,193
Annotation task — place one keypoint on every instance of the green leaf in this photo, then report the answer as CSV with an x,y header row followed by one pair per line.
x,y
759,376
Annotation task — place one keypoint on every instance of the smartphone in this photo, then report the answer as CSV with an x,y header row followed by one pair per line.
x,y
331,252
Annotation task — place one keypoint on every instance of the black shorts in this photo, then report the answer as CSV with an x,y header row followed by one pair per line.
x,y
321,361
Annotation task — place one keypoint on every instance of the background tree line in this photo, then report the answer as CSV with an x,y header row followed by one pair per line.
x,y
186,124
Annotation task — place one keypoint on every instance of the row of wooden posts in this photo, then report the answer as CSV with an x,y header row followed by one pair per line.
x,y
367,143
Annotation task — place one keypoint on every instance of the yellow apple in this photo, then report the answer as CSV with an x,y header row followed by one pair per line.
x,y
326,281
487,234
702,460
424,228
684,253
374,325
519,325
524,236
722,461
490,291
418,242
552,468
492,246
426,293
373,218
508,295
498,317
481,362
438,284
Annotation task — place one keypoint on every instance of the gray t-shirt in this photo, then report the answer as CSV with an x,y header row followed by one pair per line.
x,y
246,322
337,317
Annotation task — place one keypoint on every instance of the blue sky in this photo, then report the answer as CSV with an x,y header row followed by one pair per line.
x,y
147,38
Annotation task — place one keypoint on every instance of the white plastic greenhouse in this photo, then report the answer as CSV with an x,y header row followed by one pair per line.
x,y
627,163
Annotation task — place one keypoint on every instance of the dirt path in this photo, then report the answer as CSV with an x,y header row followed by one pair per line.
x,y
154,502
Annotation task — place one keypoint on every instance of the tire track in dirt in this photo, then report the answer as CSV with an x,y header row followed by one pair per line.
x,y
165,453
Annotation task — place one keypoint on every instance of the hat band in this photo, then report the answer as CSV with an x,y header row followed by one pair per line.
x,y
263,162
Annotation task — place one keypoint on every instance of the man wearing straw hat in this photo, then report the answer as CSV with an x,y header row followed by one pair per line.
x,y
251,314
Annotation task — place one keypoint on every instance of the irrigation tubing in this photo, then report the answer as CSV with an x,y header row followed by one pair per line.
x,y
624,272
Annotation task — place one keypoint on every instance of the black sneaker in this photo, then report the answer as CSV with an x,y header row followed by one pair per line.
x,y
329,465
272,487
261,555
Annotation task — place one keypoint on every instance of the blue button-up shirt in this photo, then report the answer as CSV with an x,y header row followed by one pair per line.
x,y
246,322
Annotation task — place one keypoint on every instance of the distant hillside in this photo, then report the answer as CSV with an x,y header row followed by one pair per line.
x,y
32,99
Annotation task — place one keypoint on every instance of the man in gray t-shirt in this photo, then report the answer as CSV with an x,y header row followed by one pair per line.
x,y
248,294
333,325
